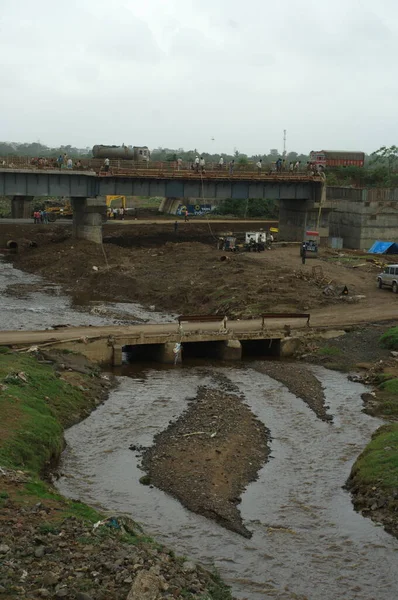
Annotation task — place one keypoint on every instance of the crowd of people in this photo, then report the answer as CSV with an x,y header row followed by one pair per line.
x,y
40,216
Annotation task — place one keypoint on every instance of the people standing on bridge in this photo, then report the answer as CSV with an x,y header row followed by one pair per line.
x,y
197,163
60,161
291,166
297,165
221,163
107,162
69,164
65,159
279,165
202,164
259,165
179,164
231,167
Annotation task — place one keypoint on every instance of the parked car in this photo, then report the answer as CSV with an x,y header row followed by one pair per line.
x,y
389,278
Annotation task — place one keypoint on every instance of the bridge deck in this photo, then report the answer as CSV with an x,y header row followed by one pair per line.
x,y
156,333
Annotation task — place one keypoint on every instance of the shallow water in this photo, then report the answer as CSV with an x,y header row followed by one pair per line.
x,y
307,542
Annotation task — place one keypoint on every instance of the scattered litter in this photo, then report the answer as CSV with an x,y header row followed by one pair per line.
x,y
194,433
95,268
16,378
33,349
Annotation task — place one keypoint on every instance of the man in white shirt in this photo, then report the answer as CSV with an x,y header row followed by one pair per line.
x,y
197,163
106,164
202,164
259,166
221,163
69,163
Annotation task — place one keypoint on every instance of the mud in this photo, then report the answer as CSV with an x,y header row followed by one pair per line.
x,y
209,455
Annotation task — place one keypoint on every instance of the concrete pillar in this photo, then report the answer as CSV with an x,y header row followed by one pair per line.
x,y
230,350
166,354
117,355
290,346
88,216
21,207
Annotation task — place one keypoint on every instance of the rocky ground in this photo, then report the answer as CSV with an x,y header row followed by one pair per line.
x,y
301,382
209,455
42,556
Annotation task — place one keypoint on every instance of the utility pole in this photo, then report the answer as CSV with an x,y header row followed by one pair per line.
x,y
284,143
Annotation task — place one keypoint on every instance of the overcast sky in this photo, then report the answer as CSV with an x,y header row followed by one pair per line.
x,y
177,73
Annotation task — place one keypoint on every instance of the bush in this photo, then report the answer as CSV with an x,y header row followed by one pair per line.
x,y
389,339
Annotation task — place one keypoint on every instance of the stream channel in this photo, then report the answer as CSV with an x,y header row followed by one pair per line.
x,y
307,543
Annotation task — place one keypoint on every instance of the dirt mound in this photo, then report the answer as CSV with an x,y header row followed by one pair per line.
x,y
175,276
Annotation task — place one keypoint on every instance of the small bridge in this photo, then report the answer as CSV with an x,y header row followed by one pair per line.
x,y
205,336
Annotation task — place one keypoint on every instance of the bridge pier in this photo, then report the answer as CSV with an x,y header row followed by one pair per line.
x,y
166,355
230,350
88,216
21,207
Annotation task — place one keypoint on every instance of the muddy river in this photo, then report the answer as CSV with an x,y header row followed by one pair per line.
x,y
308,543
307,540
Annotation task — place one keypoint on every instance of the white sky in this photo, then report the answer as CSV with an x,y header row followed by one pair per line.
x,y
177,73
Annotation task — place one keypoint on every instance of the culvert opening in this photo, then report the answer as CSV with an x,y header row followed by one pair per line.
x,y
141,352
271,347
202,349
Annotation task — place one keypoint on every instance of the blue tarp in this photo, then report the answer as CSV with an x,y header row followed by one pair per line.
x,y
380,247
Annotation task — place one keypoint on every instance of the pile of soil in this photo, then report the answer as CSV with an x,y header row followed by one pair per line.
x,y
209,455
175,276
42,557
301,382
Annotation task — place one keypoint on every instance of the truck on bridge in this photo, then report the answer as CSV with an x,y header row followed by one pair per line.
x,y
337,158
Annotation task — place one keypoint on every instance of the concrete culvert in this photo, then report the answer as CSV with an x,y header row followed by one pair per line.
x,y
12,245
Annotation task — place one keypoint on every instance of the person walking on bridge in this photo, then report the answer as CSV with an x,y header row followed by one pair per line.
x,y
221,163
202,164
106,164
231,167
259,166
197,163
179,164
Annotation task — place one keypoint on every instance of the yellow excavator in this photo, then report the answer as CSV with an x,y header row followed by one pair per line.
x,y
55,210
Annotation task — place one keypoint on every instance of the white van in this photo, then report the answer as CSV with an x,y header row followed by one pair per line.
x,y
389,278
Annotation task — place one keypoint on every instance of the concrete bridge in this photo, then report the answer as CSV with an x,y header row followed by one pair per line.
x,y
210,337
297,192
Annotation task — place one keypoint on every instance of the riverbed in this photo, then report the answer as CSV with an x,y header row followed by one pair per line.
x,y
307,540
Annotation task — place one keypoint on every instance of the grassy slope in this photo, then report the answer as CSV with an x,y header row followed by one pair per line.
x,y
375,472
33,414
378,463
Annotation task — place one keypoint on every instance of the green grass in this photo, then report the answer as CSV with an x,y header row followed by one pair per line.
x,y
33,414
378,463
389,339
391,386
329,351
